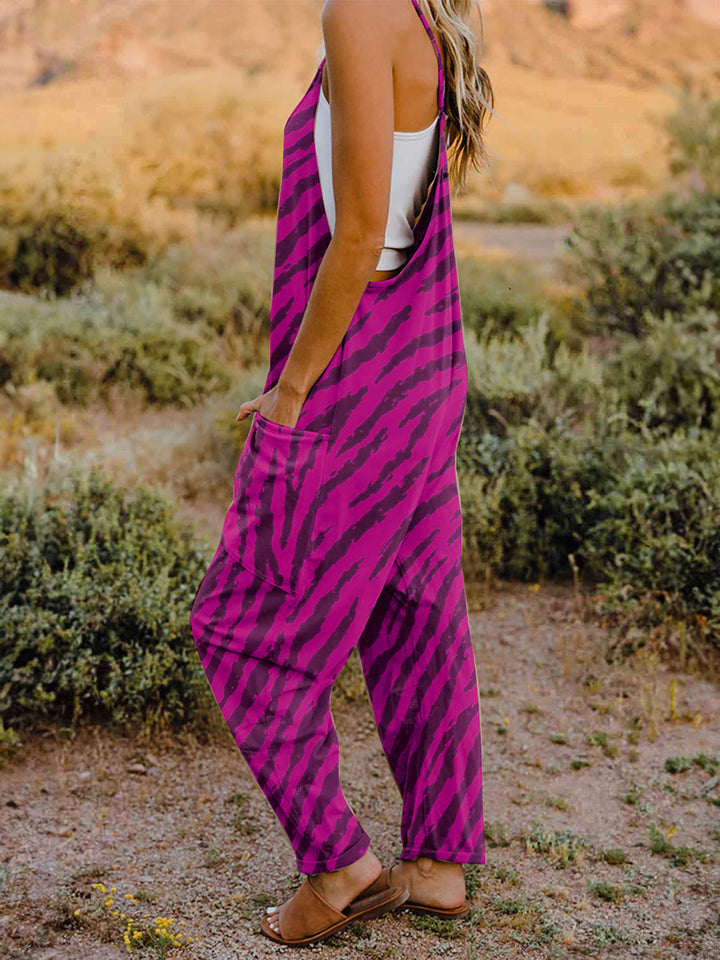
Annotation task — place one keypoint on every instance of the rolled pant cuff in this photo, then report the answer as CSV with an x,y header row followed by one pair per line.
x,y
411,853
343,859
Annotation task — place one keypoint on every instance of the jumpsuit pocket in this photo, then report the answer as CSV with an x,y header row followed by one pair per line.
x,y
270,526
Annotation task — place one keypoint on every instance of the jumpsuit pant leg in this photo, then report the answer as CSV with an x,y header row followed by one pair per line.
x,y
273,679
275,698
417,656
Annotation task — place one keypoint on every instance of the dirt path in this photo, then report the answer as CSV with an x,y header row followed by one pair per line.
x,y
537,243
567,774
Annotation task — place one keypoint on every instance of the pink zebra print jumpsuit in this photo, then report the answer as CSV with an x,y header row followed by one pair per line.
x,y
345,531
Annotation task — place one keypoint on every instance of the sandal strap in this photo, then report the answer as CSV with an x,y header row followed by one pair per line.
x,y
307,913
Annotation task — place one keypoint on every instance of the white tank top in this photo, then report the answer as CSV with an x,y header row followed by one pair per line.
x,y
414,159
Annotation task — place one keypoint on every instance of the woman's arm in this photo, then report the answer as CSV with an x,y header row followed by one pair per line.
x,y
359,51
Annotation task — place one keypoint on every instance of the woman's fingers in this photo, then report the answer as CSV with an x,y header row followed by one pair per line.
x,y
246,409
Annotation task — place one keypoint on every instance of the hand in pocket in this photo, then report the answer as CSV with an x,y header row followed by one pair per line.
x,y
270,525
276,406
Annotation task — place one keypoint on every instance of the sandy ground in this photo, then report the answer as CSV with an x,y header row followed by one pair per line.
x,y
183,827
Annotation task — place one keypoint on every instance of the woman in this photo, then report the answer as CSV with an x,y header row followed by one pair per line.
x,y
345,525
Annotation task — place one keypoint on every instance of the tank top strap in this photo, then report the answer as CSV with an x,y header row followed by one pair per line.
x,y
438,54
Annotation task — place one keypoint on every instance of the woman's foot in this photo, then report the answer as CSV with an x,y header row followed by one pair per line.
x,y
341,886
433,883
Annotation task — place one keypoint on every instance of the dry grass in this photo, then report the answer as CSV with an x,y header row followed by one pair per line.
x,y
162,160
181,155
585,139
171,113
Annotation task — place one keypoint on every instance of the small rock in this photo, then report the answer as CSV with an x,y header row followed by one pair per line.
x,y
137,768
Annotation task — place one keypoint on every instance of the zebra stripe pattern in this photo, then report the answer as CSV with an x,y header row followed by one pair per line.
x,y
345,531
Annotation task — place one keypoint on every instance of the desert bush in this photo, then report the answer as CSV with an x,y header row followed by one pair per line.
x,y
126,338
56,251
655,539
527,497
639,512
227,176
226,285
498,299
669,379
694,129
513,379
639,261
52,256
170,160
96,587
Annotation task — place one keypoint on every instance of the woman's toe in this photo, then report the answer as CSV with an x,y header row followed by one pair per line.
x,y
272,909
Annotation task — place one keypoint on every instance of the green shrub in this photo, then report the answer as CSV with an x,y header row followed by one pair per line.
x,y
226,286
9,743
708,762
614,855
694,128
670,378
640,513
88,345
678,764
52,256
96,587
513,380
679,856
527,497
639,260
561,848
498,299
655,539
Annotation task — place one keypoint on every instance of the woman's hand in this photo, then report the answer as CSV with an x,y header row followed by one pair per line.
x,y
277,405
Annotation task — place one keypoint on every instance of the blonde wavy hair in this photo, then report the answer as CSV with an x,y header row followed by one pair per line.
x,y
469,96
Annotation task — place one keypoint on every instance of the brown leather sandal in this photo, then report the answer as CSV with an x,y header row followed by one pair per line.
x,y
307,917
448,913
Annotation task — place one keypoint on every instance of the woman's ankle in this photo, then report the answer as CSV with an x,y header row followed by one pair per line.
x,y
362,864
428,867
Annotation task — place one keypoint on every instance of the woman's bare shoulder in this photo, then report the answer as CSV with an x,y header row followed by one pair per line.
x,y
366,15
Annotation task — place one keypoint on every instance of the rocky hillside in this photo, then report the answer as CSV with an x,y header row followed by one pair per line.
x,y
638,43
632,42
